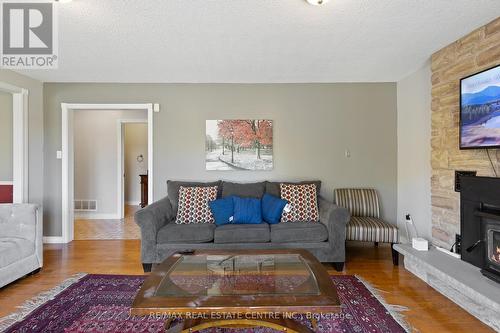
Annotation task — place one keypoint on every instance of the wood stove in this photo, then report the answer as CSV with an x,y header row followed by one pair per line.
x,y
480,224
492,248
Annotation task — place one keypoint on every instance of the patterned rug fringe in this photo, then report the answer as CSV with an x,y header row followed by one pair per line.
x,y
394,310
32,304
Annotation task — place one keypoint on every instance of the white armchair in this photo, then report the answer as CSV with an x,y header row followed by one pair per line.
x,y
21,247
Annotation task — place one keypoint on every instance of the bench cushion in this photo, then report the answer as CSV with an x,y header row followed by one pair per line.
x,y
370,229
242,233
186,233
14,249
291,232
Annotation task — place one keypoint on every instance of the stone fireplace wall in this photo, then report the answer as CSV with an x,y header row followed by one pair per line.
x,y
477,51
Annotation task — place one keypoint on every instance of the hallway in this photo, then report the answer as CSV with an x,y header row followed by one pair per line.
x,y
109,229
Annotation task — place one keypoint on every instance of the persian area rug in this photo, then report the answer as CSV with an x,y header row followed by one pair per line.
x,y
100,303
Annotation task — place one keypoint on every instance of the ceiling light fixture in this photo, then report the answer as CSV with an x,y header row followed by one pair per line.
x,y
317,2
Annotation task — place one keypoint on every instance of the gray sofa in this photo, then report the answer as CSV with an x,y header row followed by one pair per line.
x,y
21,248
161,236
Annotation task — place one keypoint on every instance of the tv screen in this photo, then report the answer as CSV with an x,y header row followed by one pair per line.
x,y
480,110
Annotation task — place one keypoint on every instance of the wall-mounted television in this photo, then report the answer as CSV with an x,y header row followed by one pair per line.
x,y
480,110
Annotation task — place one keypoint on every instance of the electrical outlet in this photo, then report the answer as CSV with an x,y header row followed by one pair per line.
x,y
347,153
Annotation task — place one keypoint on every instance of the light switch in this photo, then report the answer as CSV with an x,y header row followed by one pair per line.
x,y
347,153
59,155
156,107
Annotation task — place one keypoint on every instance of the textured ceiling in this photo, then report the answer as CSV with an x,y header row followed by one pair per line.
x,y
256,40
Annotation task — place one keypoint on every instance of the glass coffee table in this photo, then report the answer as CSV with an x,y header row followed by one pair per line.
x,y
237,288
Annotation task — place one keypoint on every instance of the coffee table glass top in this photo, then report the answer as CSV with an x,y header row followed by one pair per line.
x,y
221,275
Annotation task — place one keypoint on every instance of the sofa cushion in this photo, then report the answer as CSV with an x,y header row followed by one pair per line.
x,y
242,233
303,201
273,188
272,208
298,232
244,190
222,210
247,210
13,249
174,186
186,233
193,205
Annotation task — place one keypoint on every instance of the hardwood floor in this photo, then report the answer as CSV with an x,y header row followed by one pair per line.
x,y
109,229
428,311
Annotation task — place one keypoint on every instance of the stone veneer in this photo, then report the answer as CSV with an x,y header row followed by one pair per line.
x,y
477,51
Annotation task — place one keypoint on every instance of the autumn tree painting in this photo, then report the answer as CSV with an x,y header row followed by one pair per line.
x,y
239,144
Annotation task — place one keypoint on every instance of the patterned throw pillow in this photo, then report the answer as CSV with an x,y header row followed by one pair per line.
x,y
303,203
193,205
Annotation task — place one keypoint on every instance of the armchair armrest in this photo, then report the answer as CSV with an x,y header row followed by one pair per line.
x,y
151,219
39,235
335,218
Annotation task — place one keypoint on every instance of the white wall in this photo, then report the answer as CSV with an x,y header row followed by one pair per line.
x,y
95,152
135,143
313,125
6,131
414,150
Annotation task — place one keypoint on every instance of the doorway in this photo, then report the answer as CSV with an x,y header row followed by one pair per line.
x,y
13,144
133,164
92,169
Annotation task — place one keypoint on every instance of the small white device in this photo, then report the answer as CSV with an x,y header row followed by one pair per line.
x,y
418,243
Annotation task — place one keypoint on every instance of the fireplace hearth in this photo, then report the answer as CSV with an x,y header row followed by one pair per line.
x,y
480,224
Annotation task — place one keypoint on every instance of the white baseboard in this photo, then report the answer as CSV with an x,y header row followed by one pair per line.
x,y
53,240
132,203
96,216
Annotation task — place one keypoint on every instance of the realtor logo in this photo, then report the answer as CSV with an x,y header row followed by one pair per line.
x,y
29,39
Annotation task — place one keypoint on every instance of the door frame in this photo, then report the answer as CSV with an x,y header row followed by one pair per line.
x,y
20,171
67,168
121,162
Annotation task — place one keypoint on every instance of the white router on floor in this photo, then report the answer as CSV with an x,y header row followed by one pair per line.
x,y
418,243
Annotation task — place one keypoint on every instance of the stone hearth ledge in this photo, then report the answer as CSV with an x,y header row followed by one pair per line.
x,y
458,280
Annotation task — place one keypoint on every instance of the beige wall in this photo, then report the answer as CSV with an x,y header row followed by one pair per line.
x,y
95,152
135,144
313,126
36,130
6,136
477,51
414,152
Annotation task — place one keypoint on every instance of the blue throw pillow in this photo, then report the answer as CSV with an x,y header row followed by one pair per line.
x,y
222,210
247,211
272,208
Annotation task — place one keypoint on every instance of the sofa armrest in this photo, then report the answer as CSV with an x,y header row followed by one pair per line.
x,y
151,219
335,218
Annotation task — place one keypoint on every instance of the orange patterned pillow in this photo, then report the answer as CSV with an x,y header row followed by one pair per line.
x,y
303,203
193,205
